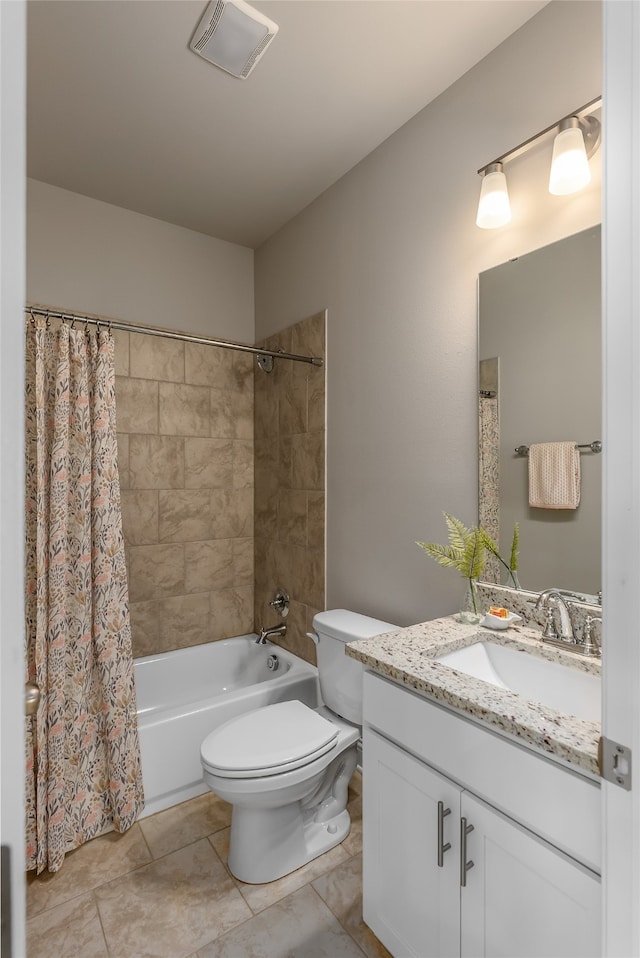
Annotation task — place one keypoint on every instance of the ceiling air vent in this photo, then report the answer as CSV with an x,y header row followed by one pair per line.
x,y
233,36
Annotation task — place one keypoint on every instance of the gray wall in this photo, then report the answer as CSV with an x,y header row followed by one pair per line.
x,y
393,252
92,257
541,316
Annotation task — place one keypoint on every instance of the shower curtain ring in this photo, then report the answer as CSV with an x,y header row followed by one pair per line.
x,y
33,319
48,321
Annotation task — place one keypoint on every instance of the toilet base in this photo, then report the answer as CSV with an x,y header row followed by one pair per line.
x,y
282,847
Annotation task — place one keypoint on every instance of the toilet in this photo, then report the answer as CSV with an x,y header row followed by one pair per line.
x,y
285,768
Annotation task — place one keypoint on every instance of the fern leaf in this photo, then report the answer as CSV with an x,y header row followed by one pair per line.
x,y
445,555
458,533
515,549
475,555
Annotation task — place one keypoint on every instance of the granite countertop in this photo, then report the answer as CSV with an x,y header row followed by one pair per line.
x,y
408,657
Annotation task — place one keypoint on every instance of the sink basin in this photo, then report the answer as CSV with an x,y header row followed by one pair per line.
x,y
549,683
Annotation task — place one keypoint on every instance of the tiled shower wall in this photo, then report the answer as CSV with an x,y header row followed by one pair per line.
x,y
290,484
185,441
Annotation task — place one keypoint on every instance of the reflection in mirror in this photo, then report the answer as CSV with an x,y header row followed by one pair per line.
x,y
540,381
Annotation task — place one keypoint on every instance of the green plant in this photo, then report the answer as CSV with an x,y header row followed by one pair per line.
x,y
467,552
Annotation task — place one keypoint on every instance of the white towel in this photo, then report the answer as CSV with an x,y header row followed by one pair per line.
x,y
554,475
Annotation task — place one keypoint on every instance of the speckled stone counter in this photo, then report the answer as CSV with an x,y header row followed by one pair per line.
x,y
408,657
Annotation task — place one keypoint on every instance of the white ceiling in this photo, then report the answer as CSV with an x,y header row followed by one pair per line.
x,y
121,110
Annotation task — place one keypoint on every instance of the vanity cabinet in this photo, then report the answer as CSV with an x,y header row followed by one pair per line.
x,y
524,895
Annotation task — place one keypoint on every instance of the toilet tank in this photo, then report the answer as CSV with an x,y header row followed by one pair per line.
x,y
340,676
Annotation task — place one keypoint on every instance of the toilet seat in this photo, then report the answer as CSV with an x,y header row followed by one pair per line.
x,y
268,741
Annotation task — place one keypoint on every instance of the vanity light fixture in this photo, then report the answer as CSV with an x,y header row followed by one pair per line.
x,y
570,163
494,208
577,137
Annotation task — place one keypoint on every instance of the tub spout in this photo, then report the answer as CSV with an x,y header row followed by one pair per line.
x,y
267,633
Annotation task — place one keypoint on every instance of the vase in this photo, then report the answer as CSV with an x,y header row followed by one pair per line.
x,y
469,614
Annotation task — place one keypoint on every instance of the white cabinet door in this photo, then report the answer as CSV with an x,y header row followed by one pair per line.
x,y
410,902
523,897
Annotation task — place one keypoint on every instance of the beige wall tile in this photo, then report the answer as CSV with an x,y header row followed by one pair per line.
x,y
184,410
185,515
243,367
121,351
232,413
209,565
231,513
242,463
316,400
285,462
266,414
292,517
155,571
144,627
184,620
293,407
156,462
123,459
315,520
308,339
139,516
307,461
208,366
243,561
208,463
232,612
153,357
136,405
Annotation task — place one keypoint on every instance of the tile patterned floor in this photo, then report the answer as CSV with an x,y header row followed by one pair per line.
x,y
163,890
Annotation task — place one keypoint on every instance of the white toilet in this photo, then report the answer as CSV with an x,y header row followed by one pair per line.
x,y
285,768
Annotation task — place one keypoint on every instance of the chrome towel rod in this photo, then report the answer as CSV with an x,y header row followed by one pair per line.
x,y
595,446
168,334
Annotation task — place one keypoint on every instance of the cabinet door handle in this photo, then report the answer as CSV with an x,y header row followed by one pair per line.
x,y
464,864
442,848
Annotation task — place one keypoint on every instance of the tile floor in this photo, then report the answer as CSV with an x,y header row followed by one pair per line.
x,y
163,890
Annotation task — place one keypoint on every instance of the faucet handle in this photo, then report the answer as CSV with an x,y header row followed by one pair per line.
x,y
281,603
549,631
589,647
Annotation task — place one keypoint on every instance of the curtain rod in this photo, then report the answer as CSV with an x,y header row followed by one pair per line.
x,y
169,334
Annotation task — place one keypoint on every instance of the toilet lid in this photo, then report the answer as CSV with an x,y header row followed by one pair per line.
x,y
268,741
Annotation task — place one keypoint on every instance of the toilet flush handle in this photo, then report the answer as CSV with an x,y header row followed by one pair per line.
x,y
313,637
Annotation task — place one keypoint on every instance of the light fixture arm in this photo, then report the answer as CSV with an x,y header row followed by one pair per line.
x,y
589,125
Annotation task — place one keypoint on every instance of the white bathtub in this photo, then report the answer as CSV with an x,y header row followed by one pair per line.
x,y
184,695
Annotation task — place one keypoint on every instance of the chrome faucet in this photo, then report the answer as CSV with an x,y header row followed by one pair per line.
x,y
566,629
267,633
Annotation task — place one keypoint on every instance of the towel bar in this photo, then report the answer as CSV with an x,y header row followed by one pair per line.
x,y
595,446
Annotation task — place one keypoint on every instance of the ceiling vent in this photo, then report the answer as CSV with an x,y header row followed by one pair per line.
x,y
233,36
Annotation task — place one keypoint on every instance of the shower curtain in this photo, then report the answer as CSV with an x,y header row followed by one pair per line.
x,y
83,772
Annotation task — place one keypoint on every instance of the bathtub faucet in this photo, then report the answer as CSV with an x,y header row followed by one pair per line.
x,y
267,633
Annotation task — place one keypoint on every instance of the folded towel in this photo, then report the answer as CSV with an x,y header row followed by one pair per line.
x,y
554,475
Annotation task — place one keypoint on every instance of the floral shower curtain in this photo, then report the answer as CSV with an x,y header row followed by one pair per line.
x,y
83,771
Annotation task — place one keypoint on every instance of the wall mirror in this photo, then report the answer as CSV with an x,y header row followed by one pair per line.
x,y
540,381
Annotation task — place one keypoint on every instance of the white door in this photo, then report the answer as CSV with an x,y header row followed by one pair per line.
x,y
523,898
410,901
12,295
621,486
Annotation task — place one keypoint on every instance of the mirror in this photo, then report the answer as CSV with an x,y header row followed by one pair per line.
x,y
540,381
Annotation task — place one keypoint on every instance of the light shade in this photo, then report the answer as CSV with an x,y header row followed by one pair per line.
x,y
569,166
494,209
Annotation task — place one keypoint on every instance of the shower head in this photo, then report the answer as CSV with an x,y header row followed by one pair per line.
x,y
265,362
